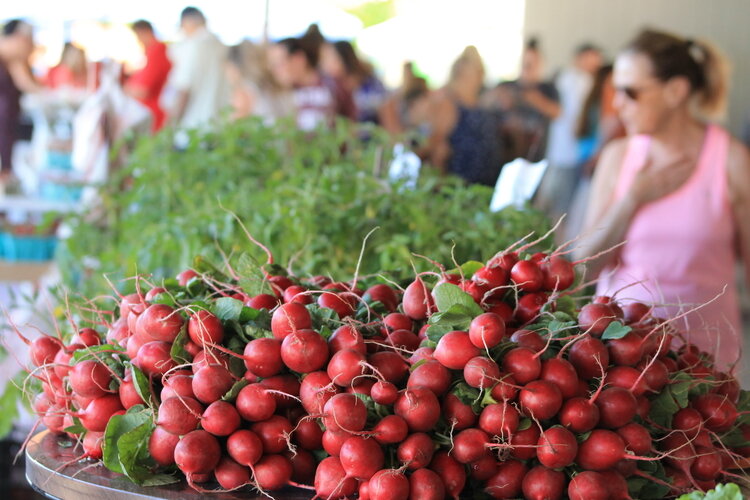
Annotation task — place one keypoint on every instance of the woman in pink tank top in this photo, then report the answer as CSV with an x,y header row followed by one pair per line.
x,y
676,191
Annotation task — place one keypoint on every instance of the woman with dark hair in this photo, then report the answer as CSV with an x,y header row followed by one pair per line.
x,y
340,61
676,191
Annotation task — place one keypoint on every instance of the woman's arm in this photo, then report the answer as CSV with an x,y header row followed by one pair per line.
x,y
443,116
739,196
22,77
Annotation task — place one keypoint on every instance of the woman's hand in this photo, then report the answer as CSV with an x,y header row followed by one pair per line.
x,y
653,182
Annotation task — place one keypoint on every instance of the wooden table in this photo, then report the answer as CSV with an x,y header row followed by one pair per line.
x,y
50,471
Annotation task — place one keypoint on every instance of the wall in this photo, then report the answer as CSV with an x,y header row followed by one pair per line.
x,y
563,24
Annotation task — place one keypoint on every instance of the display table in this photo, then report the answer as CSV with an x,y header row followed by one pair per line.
x,y
50,471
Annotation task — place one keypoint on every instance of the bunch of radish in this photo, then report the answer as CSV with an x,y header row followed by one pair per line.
x,y
489,378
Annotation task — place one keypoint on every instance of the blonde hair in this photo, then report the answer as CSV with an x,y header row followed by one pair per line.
x,y
468,58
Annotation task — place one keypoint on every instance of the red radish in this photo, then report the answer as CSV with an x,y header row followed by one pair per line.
x,y
161,446
595,318
541,483
540,399
177,385
245,447
90,378
131,302
390,365
296,293
87,337
289,318
688,420
388,484
507,481
416,451
588,485
502,309
486,330
523,364
426,353
601,450
402,340
529,339
506,389
618,487
397,321
159,322
346,337
118,333
499,419
263,301
588,355
286,389
616,309
424,484
384,393
432,375
561,373
185,276
303,466
458,414
634,312
491,277
579,414
179,415
304,351
558,273
627,378
331,480
273,472
273,433
384,294
617,407
557,447
470,445
255,404
475,289
333,440
707,465
205,327
129,397
644,407
504,260
419,407
53,420
719,414
345,366
343,305
655,374
263,357
391,429
636,437
155,358
98,412
481,372
527,276
211,383
454,350
627,350
361,457
346,412
231,475
729,387
207,357
151,294
530,306
417,300
315,390
308,434
220,418
484,468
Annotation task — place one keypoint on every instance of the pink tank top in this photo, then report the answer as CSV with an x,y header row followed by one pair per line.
x,y
681,250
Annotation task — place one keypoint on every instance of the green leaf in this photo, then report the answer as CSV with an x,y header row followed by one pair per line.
x,y
249,314
252,278
117,426
232,393
466,394
9,407
469,268
94,352
160,480
164,298
228,309
448,295
132,449
735,438
178,352
615,330
436,332
142,385
566,304
75,428
524,424
722,492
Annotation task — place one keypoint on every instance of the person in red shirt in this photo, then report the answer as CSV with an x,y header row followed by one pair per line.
x,y
146,85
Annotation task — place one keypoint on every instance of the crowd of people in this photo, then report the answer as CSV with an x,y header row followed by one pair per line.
x,y
666,181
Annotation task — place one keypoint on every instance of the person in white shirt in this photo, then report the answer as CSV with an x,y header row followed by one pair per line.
x,y
198,73
573,85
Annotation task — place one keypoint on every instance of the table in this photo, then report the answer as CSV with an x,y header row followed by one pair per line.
x,y
50,471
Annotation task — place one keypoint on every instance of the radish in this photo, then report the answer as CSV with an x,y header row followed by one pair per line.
x,y
432,375
87,337
636,437
183,277
273,433
273,472
719,414
579,414
527,276
220,418
504,260
388,484
345,412
304,351
541,483
655,374
397,321
424,484
129,397
458,414
561,373
507,481
416,451
98,412
308,435
595,318
540,399
635,312
347,337
529,339
315,390
303,467
628,378
92,445
177,386
159,322
333,440
618,487
210,383
486,330
402,340
601,450
499,419
491,276
205,327
390,365
481,372
331,480
154,358
296,293
617,407
343,305
627,350
417,300
502,309
179,415
263,357
231,475
289,318
344,366
529,306
454,350
384,393
245,447
391,429
707,465
419,407
161,446
361,457
470,445
384,294
475,289
523,364
588,355
484,468
557,447
558,273
198,452
263,301
90,378
688,420
506,389
588,485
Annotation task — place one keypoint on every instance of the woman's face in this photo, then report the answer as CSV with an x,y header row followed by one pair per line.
x,y
639,96
330,62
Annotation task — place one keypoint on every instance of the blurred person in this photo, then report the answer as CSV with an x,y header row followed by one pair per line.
x,y
676,191
340,61
525,107
598,122
573,85
198,73
318,99
407,110
462,137
254,91
147,84
71,71
16,46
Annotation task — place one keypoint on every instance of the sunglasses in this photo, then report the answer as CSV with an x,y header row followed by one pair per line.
x,y
632,93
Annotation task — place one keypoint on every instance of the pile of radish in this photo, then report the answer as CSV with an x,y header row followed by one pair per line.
x,y
490,379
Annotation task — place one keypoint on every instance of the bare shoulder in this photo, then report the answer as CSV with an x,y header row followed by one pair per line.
x,y
738,168
613,154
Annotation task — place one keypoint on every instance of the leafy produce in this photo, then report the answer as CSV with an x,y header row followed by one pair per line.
x,y
454,385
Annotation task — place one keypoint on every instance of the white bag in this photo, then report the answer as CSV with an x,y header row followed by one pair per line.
x,y
517,183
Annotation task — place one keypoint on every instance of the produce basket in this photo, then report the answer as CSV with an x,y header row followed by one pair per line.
x,y
14,247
